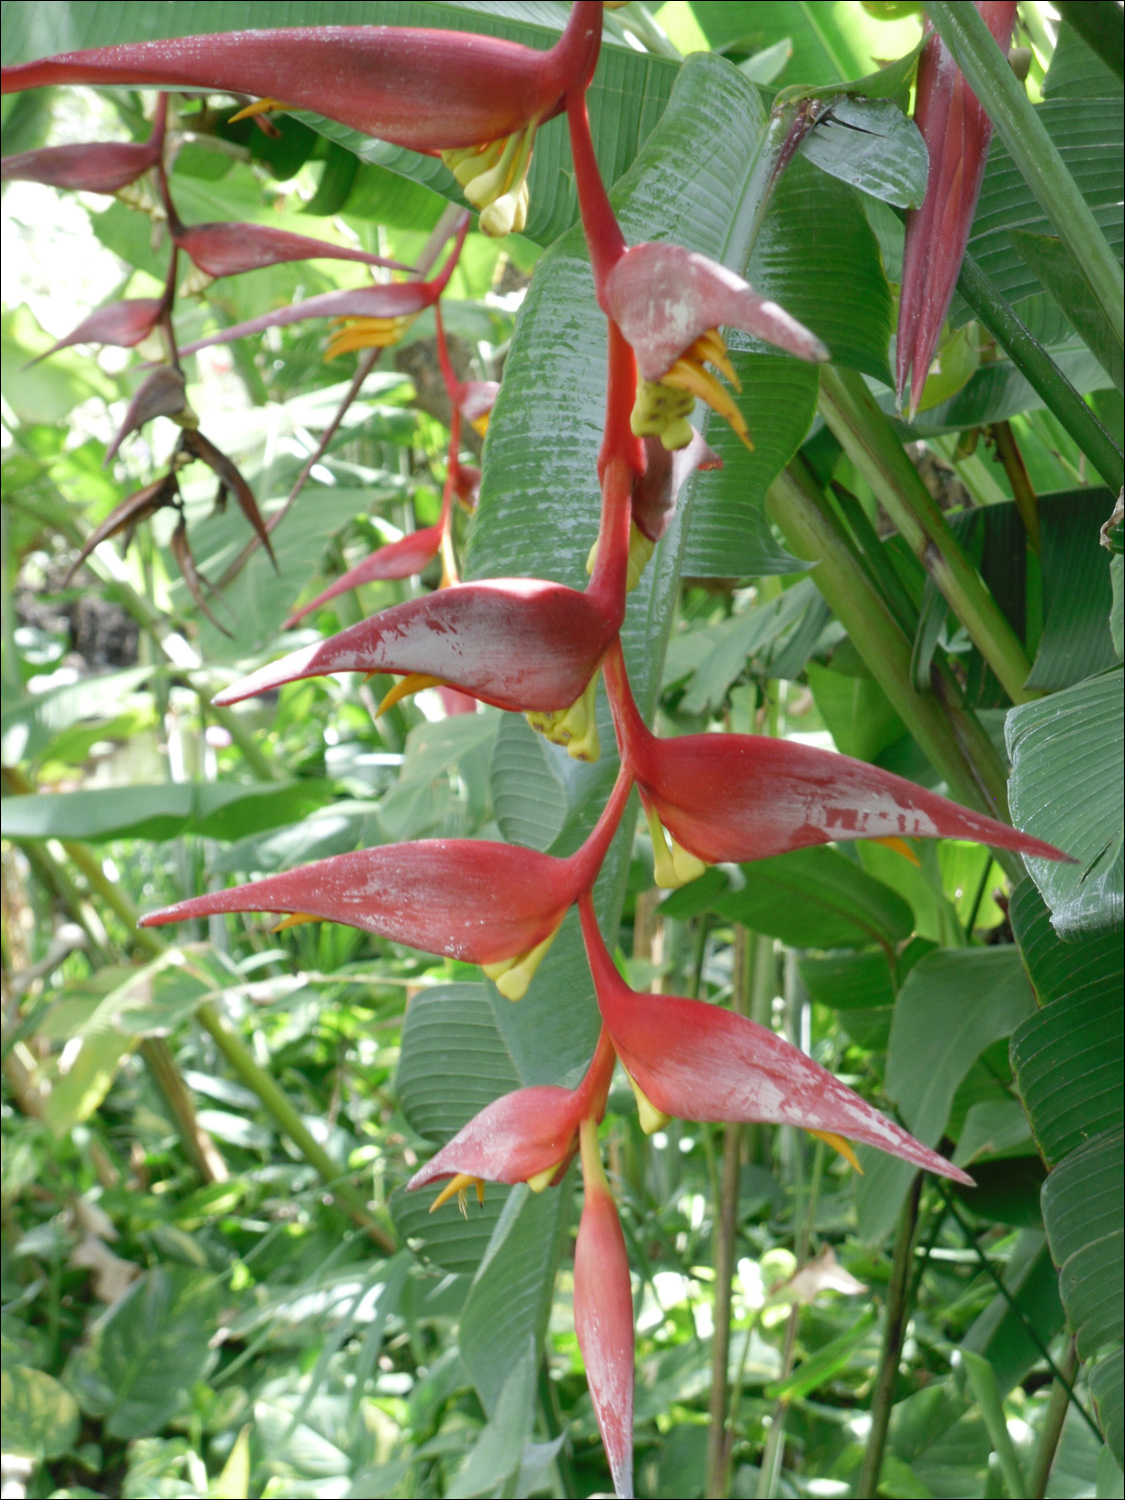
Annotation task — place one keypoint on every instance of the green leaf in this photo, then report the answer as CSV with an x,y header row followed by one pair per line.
x,y
798,265
1077,591
816,898
953,1004
528,795
1066,787
1098,28
40,1416
77,1092
30,723
213,809
1001,1333
1088,133
820,1367
857,712
1076,72
1082,1208
138,1363
495,1459
1054,266
822,50
870,144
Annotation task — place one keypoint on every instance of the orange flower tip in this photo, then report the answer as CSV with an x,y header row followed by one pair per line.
x,y
511,976
414,682
366,333
900,846
295,919
458,1187
480,424
259,107
651,1118
575,727
838,1143
493,178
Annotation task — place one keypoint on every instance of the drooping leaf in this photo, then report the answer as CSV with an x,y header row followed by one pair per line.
x,y
1066,787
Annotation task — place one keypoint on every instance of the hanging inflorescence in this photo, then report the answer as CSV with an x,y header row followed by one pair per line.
x,y
523,645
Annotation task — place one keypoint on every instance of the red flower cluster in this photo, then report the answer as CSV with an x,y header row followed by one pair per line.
x,y
533,646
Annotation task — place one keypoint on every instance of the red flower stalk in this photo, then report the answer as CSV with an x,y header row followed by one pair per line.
x,y
471,399
528,1136
957,132
476,100
93,167
735,797
603,1312
395,304
696,1061
492,904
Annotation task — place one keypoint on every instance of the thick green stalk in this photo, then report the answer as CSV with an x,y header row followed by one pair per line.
x,y
1051,1430
1040,371
868,439
968,38
894,1333
948,734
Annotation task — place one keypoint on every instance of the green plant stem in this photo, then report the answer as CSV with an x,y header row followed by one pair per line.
x,y
973,48
726,1238
774,1450
1051,1430
1037,367
894,1333
1027,501
239,1057
949,735
869,440
982,1380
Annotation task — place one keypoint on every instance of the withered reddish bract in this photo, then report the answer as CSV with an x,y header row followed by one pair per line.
x,y
957,132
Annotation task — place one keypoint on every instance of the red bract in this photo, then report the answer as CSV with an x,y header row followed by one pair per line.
x,y
497,905
527,1136
409,555
231,249
122,324
471,399
696,1061
957,132
603,1313
517,643
734,797
94,167
669,303
477,98
401,300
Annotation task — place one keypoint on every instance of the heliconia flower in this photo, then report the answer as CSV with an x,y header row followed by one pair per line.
x,y
691,1060
956,131
161,394
93,167
736,797
497,905
669,304
603,1312
232,249
528,1136
475,100
395,304
122,324
517,643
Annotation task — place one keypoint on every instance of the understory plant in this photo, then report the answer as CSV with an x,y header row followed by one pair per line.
x,y
669,537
